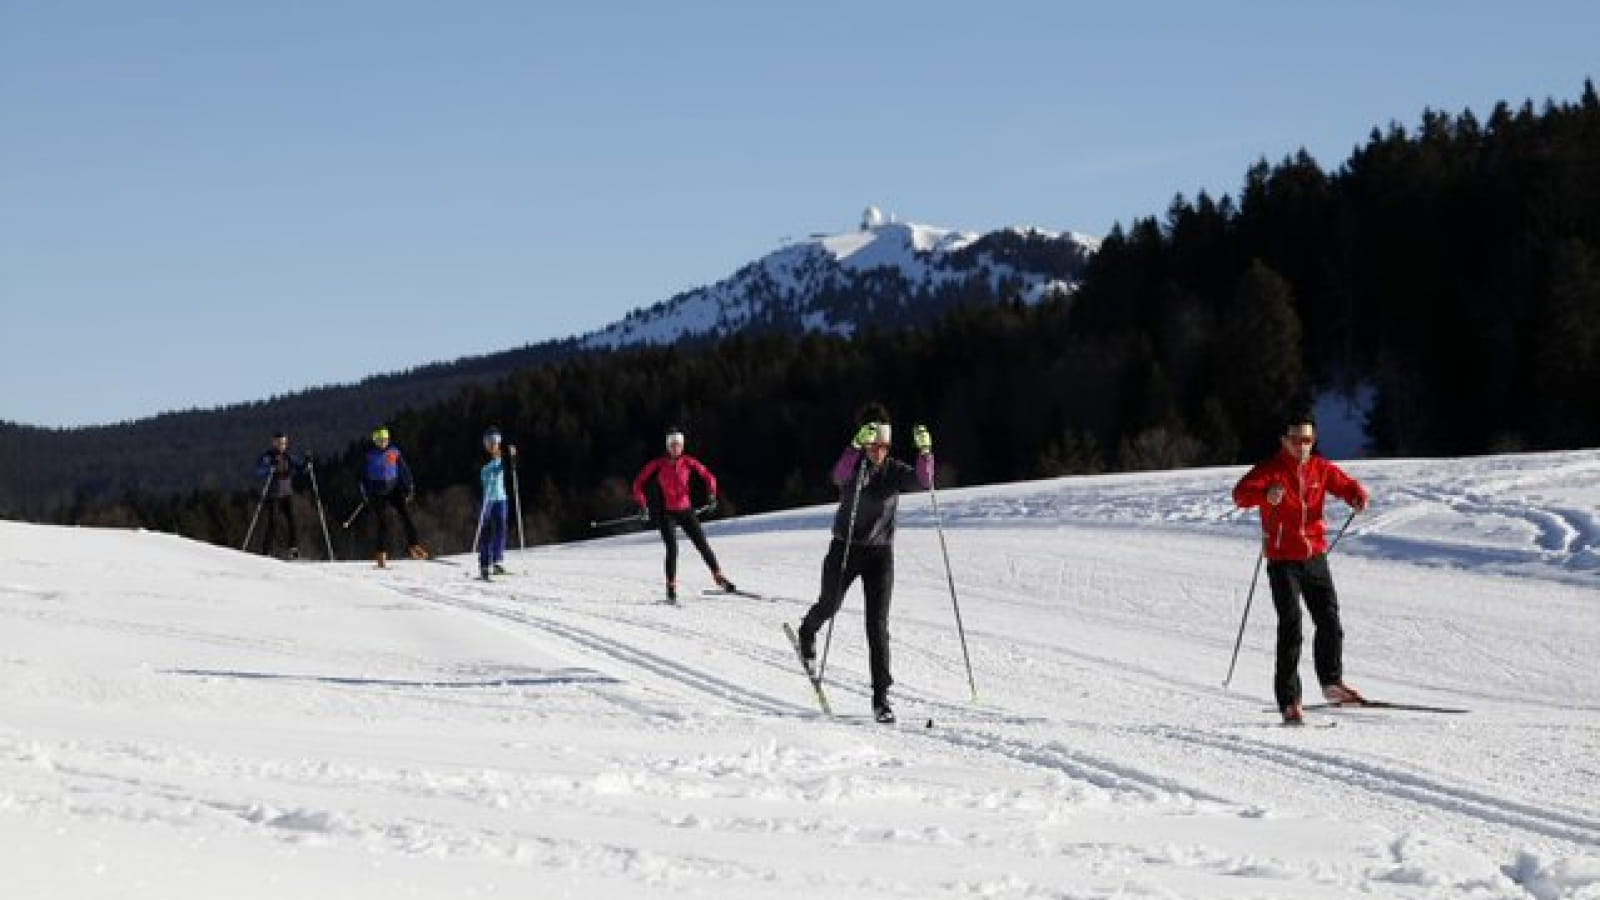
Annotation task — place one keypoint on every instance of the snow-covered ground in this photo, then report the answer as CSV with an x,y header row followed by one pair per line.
x,y
183,721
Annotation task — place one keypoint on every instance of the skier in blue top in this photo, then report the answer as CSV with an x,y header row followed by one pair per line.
x,y
492,518
386,483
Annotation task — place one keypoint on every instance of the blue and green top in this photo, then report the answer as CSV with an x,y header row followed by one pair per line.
x,y
494,481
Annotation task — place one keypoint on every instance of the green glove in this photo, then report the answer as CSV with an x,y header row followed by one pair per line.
x,y
922,439
865,435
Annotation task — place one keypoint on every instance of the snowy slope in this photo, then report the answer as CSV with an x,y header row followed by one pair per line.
x,y
179,720
792,287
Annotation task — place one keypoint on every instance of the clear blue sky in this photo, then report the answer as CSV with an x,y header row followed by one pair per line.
x,y
208,202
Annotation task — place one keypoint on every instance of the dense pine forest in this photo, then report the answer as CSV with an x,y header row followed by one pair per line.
x,y
1453,269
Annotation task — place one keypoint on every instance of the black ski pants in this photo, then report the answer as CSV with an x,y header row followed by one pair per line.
x,y
686,520
875,566
1309,579
279,506
396,500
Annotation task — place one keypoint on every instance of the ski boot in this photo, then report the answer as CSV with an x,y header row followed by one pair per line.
x,y
881,710
381,558
724,583
808,648
1342,694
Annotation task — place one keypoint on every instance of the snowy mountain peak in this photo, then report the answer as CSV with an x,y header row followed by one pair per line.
x,y
887,272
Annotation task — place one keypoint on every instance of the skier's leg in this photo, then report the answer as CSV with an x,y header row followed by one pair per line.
x,y
697,536
831,596
877,583
379,504
401,506
1282,576
491,527
288,518
669,538
1322,602
502,519
269,535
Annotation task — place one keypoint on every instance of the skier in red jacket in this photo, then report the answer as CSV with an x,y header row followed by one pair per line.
x,y
1289,488
671,472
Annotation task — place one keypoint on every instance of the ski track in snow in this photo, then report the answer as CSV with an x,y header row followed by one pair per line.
x,y
560,729
1401,784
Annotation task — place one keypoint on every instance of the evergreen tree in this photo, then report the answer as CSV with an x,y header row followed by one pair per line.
x,y
1261,376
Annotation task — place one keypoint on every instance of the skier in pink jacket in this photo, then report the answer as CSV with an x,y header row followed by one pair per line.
x,y
670,473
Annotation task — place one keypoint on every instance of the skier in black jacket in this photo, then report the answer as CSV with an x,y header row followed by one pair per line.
x,y
870,484
277,469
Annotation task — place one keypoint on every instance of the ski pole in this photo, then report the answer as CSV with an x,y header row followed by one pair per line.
x,y
1347,521
359,507
265,486
844,561
608,523
516,499
311,469
483,512
938,522
1246,617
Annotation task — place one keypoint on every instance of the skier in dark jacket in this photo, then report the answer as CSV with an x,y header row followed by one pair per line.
x,y
276,468
1290,487
870,484
670,473
386,482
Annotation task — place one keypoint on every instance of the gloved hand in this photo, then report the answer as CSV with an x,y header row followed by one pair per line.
x,y
922,439
512,450
864,435
711,503
644,514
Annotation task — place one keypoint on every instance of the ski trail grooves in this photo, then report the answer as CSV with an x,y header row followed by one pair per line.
x,y
698,680
1395,783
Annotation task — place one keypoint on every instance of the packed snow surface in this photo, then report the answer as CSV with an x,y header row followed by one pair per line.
x,y
183,721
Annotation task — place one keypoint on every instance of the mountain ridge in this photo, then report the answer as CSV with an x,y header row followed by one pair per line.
x,y
886,274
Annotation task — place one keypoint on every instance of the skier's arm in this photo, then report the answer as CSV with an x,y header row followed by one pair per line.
x,y
845,468
911,479
700,469
406,482
1251,490
639,482
1347,489
924,443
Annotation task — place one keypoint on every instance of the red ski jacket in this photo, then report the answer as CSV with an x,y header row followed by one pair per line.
x,y
673,476
1294,529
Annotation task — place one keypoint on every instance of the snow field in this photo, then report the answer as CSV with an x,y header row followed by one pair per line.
x,y
179,720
